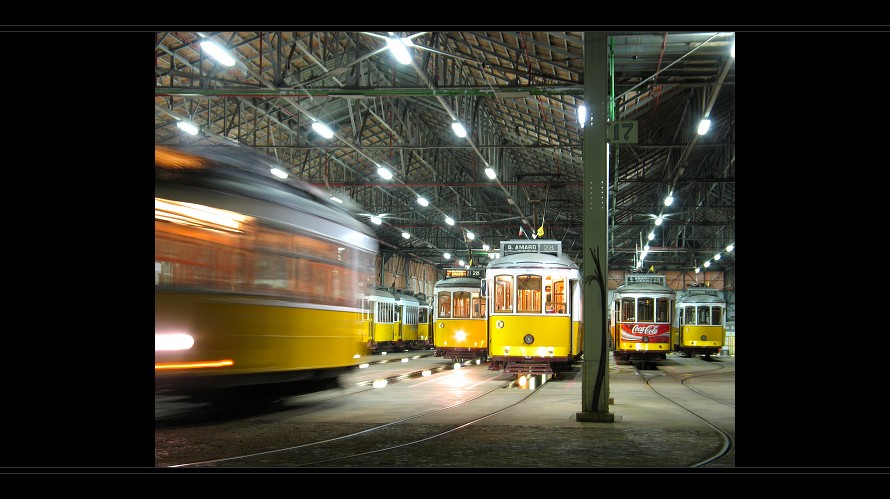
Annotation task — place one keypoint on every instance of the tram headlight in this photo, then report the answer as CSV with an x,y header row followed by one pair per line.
x,y
704,337
528,339
173,341
441,325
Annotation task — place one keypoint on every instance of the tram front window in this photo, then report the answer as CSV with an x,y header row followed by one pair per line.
x,y
645,310
528,293
627,309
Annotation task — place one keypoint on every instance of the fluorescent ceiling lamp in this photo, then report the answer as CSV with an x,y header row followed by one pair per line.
x,y
187,127
485,247
669,200
730,248
449,220
716,257
707,264
447,255
697,270
461,263
336,199
651,236
582,114
399,50
471,236
322,129
406,235
422,201
490,172
280,173
703,126
376,219
384,172
459,129
659,220
217,53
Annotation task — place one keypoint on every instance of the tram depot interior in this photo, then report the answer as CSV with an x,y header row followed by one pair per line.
x,y
448,142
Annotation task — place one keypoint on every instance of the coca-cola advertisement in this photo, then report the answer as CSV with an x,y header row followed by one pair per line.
x,y
653,333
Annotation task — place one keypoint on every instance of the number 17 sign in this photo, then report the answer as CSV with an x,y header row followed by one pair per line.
x,y
621,132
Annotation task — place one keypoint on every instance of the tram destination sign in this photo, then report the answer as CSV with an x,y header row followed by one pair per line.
x,y
514,247
471,272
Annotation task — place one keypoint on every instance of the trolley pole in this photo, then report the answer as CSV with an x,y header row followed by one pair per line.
x,y
595,366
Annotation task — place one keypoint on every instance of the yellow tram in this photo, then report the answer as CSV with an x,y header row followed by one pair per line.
x,y
459,317
698,327
535,320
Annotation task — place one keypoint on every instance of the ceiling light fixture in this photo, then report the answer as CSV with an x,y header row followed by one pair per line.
x,y
399,49
422,201
582,115
449,220
384,172
322,129
187,127
704,126
459,129
376,219
490,172
281,174
217,53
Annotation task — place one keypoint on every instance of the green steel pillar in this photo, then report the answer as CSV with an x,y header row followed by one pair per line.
x,y
595,367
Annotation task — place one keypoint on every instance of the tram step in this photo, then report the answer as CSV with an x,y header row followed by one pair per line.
x,y
528,368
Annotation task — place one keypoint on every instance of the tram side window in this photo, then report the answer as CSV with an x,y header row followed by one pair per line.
x,y
461,306
704,315
478,308
627,309
528,293
645,310
503,295
422,315
444,301
717,316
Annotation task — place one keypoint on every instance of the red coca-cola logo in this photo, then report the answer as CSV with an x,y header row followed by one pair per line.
x,y
647,330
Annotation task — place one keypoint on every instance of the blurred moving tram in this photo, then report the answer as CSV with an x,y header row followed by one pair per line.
x,y
257,278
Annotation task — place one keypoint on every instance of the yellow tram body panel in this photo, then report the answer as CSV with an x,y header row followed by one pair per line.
x,y
383,332
246,335
548,336
423,332
461,333
700,336
409,332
